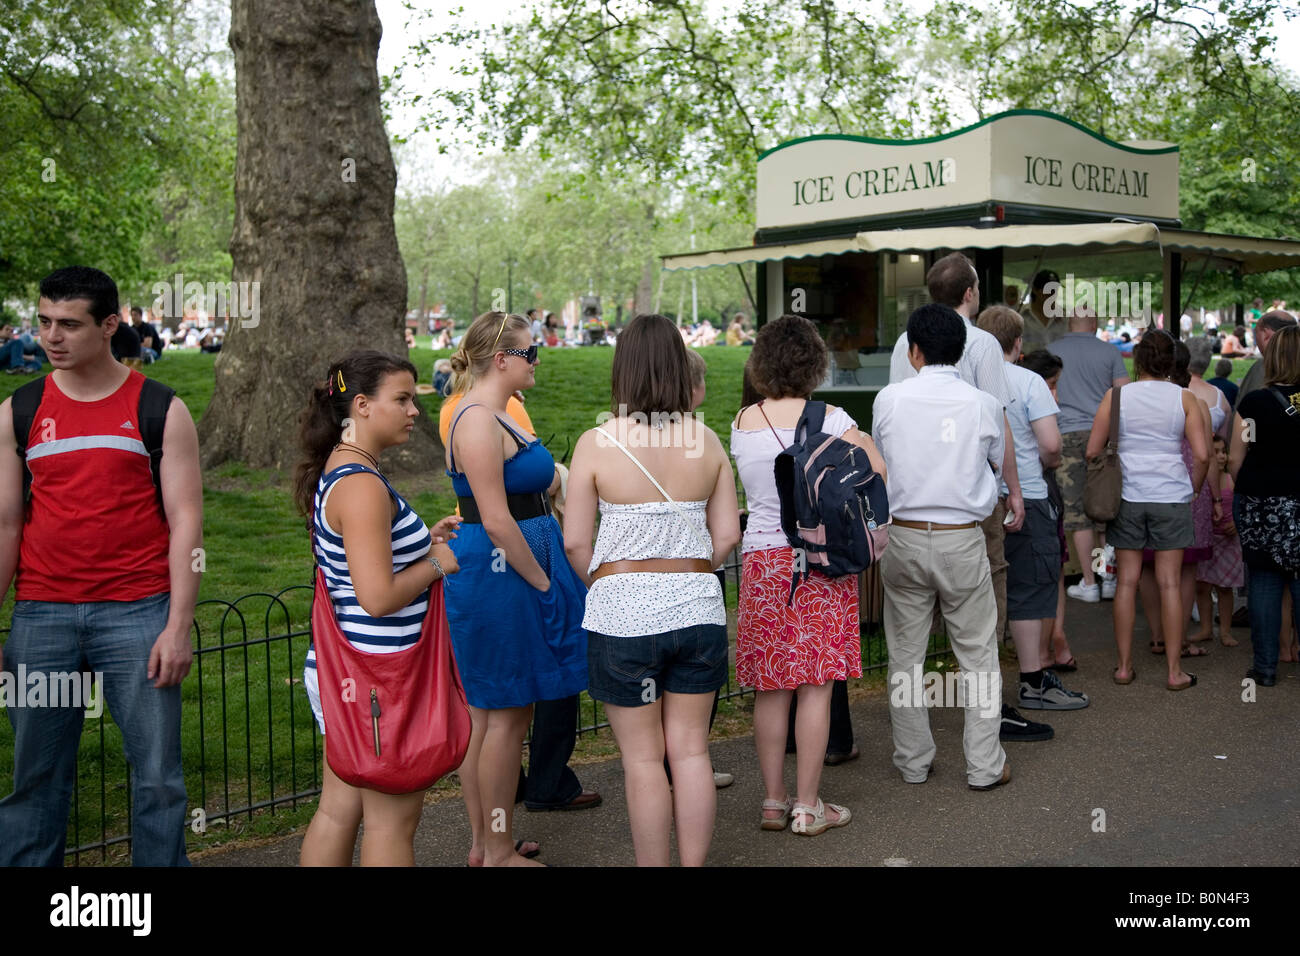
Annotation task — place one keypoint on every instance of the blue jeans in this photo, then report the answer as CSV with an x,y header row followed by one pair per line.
x,y
1264,593
112,638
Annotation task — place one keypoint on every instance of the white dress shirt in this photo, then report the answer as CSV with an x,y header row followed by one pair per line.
x,y
980,363
939,436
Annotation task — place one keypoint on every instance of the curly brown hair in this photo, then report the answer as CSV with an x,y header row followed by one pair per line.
x,y
789,358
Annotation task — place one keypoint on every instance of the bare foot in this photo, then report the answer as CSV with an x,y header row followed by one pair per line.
x,y
1227,640
1199,636
517,860
523,848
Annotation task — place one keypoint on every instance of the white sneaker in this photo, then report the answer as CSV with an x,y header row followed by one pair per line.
x,y
1108,588
1089,593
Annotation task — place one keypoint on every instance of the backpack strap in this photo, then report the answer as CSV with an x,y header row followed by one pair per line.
x,y
155,402
811,421
24,403
1287,408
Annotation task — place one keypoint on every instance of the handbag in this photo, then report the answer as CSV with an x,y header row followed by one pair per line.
x,y
1104,486
396,722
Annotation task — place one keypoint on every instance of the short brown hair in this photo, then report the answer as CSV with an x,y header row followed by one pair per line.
x,y
789,358
698,367
949,278
1282,357
1004,324
651,370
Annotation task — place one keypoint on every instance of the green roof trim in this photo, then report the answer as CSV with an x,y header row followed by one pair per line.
x,y
966,129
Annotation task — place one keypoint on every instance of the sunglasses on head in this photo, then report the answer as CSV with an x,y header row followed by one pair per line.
x,y
529,354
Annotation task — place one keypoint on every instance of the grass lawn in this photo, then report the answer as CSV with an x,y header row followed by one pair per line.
x,y
256,546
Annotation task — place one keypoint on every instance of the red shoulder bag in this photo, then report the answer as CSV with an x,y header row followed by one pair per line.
x,y
397,722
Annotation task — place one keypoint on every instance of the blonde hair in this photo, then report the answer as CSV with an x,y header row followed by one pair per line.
x,y
1003,323
482,340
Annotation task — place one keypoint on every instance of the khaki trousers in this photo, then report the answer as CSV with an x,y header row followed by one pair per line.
x,y
952,566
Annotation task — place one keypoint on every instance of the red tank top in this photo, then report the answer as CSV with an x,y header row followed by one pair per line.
x,y
95,530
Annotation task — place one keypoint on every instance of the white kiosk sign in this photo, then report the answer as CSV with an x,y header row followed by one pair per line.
x,y
1026,157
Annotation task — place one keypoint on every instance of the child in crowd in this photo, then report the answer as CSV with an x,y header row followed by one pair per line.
x,y
1224,570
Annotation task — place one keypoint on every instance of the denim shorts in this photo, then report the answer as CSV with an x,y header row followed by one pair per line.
x,y
633,671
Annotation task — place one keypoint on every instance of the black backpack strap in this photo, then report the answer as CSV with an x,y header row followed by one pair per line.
x,y
1282,399
24,403
811,421
155,401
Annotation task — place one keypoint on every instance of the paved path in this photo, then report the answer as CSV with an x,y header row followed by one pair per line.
x,y
1195,778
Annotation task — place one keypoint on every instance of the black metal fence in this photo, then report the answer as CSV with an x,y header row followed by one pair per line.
x,y
249,742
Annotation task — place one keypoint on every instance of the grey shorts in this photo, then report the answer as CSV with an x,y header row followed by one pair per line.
x,y
1158,525
1033,564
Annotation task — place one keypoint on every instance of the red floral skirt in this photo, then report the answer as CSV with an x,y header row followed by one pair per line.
x,y
813,640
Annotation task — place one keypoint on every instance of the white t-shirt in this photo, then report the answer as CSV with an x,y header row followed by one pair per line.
x,y
1031,400
755,451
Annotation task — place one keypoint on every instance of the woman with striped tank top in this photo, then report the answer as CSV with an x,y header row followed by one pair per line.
x,y
379,560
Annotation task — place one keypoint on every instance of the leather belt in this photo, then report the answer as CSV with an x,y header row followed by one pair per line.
x,y
933,525
521,507
659,565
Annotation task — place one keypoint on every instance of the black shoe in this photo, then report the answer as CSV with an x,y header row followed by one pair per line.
x,y
1260,679
1016,728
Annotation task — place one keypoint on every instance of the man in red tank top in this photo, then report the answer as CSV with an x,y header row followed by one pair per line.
x,y
105,581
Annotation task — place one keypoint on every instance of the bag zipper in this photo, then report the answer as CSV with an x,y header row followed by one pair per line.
x,y
374,716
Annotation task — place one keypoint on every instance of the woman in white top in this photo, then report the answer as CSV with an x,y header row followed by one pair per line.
x,y
1155,510
656,623
790,645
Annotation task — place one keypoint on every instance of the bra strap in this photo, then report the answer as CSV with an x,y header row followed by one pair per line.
x,y
667,497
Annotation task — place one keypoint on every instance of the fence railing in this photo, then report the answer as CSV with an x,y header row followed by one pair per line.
x,y
250,745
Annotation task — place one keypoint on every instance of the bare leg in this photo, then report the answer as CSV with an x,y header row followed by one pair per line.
x,y
1060,652
1225,617
1128,569
1150,592
498,779
1205,605
1286,637
332,835
640,735
812,725
695,798
1025,635
1083,545
389,835
468,774
771,719
1169,579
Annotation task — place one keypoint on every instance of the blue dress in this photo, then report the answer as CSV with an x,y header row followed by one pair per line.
x,y
514,644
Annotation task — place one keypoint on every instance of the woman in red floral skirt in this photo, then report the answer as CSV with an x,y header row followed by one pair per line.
x,y
803,646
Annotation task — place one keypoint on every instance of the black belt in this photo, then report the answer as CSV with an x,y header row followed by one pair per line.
x,y
521,507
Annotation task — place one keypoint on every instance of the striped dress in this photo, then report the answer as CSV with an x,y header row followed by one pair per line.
x,y
411,541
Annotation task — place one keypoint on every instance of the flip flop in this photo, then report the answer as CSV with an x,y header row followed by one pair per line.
x,y
519,845
1191,683
1132,676
1194,650
1067,667
1157,648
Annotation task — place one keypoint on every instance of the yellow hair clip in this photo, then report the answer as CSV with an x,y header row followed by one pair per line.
x,y
500,330
342,387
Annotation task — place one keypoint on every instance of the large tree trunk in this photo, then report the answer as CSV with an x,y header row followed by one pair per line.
x,y
314,188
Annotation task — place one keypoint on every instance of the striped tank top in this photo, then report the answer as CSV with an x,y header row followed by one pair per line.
x,y
411,542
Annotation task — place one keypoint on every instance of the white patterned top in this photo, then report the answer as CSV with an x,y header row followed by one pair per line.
x,y
637,604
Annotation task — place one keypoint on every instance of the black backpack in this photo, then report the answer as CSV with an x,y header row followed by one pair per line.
x,y
155,400
834,507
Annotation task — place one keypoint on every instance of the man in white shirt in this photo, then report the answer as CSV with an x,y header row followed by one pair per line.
x,y
953,281
943,443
